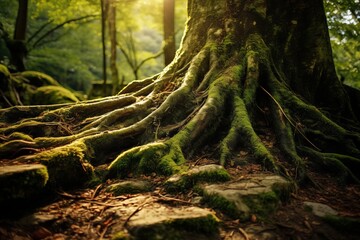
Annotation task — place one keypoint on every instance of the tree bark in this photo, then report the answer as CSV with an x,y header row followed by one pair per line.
x,y
113,46
243,66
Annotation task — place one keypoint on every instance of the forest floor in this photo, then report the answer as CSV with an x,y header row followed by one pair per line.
x,y
82,214
88,213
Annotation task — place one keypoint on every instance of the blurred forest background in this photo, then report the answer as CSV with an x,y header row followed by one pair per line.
x,y
64,38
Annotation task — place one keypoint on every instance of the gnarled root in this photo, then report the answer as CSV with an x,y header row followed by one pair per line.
x,y
213,98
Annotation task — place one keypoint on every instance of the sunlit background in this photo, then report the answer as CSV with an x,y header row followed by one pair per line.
x,y
72,53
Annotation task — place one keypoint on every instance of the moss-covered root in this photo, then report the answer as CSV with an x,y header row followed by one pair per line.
x,y
241,126
164,158
283,127
341,165
67,165
314,121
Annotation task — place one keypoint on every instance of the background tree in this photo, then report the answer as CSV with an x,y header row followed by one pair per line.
x,y
169,30
243,67
113,46
104,13
17,45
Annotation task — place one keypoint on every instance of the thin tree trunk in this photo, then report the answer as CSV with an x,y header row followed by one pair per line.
x,y
103,41
17,47
113,46
169,31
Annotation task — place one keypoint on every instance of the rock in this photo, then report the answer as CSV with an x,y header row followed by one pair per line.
x,y
37,218
129,187
22,181
259,195
321,210
186,180
165,222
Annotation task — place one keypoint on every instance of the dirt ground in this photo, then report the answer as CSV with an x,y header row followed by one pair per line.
x,y
88,213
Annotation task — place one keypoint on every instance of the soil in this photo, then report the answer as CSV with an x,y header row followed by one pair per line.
x,y
90,213
85,213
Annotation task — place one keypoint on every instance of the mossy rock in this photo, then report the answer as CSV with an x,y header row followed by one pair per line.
x,y
259,195
163,222
52,95
23,181
207,173
129,187
67,166
38,79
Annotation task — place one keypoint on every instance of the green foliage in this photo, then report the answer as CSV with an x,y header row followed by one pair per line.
x,y
72,53
344,27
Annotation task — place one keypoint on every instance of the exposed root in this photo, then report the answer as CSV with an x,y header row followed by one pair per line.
x,y
173,114
334,163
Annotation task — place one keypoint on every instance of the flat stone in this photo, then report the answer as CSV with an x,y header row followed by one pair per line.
x,y
159,221
259,194
206,173
130,187
22,181
37,218
321,210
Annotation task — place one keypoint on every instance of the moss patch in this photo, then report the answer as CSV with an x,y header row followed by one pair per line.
x,y
52,95
218,202
207,173
22,181
129,187
188,228
38,79
67,165
155,157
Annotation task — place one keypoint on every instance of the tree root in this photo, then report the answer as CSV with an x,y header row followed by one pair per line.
x,y
155,124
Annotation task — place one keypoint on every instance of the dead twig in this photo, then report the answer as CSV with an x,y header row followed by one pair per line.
x,y
242,231
96,191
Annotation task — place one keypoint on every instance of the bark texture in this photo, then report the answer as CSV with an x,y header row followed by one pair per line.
x,y
240,63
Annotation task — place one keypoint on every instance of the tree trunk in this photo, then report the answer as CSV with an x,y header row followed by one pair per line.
x,y
169,31
243,66
113,46
17,47
103,42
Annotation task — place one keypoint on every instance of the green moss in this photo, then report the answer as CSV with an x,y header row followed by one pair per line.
x,y
283,190
207,225
67,165
122,235
52,95
155,157
22,136
129,187
218,202
180,229
252,140
39,79
4,76
263,204
186,180
22,181
258,7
